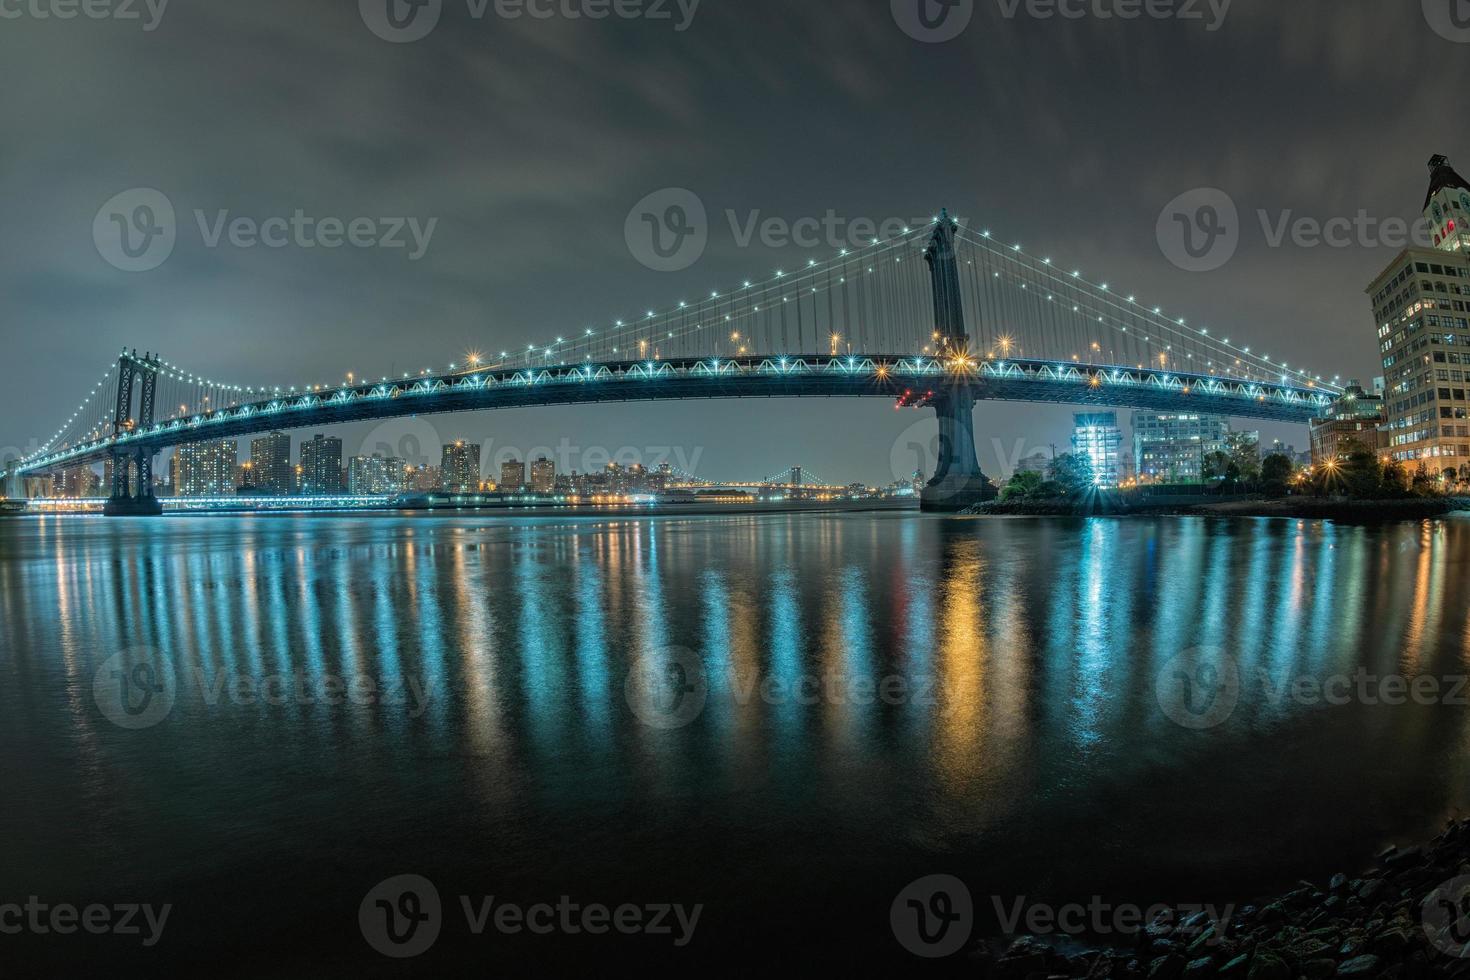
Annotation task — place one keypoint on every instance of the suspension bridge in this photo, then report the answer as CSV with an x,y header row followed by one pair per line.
x,y
938,318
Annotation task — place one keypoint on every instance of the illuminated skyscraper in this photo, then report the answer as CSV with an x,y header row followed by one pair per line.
x,y
321,465
543,476
270,464
1096,435
459,467
204,469
375,475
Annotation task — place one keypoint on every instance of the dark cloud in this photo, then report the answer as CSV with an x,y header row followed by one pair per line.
x,y
529,140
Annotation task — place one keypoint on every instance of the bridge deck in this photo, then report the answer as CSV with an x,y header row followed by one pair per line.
x,y
770,376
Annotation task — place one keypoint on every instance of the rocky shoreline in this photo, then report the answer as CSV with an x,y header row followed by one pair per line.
x,y
1306,508
1407,918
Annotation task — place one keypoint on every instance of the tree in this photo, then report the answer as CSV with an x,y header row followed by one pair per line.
x,y
1362,472
1395,479
1244,449
1025,485
1072,472
1276,474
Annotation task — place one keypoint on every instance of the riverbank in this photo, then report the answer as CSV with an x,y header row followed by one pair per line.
x,y
1311,508
1407,917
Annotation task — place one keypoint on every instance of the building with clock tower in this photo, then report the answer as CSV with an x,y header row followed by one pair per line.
x,y
1447,207
1421,308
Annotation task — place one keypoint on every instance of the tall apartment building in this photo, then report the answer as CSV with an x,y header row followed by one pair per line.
x,y
512,476
543,476
270,464
459,467
375,475
1170,447
1096,435
321,465
1421,305
204,469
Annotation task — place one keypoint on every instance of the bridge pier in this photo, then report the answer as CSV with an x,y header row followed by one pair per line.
x,y
958,481
123,502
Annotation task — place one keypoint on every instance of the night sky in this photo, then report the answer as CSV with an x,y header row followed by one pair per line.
x,y
531,139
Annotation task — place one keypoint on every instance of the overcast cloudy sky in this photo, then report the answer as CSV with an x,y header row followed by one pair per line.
x,y
530,139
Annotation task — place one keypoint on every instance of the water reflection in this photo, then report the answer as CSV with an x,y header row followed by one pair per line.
x,y
905,689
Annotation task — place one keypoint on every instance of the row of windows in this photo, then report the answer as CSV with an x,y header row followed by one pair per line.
x,y
1407,302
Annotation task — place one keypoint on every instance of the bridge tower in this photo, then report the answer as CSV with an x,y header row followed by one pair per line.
x,y
958,481
127,465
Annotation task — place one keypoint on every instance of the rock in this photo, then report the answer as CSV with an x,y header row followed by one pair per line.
x,y
1395,858
1338,883
1371,890
1269,966
1200,969
1275,912
1168,967
1206,939
1236,968
1359,966
1318,969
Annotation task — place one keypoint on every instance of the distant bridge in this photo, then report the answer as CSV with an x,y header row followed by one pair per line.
x,y
865,324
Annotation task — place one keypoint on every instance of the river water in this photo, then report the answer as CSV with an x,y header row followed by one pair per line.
x,y
780,719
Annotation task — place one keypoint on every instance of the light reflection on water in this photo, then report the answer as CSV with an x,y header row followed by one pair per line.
x,y
1029,753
